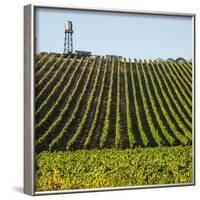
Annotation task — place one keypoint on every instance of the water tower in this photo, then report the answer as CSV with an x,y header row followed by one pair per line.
x,y
68,41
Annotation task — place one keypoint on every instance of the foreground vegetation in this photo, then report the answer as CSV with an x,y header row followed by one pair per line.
x,y
113,168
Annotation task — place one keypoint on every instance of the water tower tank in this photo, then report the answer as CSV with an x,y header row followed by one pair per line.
x,y
68,26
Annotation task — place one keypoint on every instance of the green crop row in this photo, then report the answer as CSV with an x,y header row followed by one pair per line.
x,y
188,122
105,129
73,114
117,137
175,89
44,66
167,135
87,110
163,128
53,77
159,141
188,67
47,74
97,111
40,60
182,78
188,100
54,90
131,135
188,74
59,118
37,58
137,112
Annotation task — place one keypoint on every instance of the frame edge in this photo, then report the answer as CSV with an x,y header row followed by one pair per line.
x,y
28,102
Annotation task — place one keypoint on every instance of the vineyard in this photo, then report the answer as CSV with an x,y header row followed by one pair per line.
x,y
108,102
109,122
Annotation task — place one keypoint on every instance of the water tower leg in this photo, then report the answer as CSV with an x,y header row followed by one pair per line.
x,y
68,42
71,43
65,42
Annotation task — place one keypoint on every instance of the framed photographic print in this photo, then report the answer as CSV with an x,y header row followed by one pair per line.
x,y
109,99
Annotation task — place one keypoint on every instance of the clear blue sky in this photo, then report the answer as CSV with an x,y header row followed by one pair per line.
x,y
128,35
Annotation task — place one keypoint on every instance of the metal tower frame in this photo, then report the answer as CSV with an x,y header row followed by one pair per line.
x,y
68,42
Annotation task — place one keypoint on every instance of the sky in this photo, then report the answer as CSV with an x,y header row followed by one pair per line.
x,y
129,35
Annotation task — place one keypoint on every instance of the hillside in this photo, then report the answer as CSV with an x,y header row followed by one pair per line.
x,y
98,102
